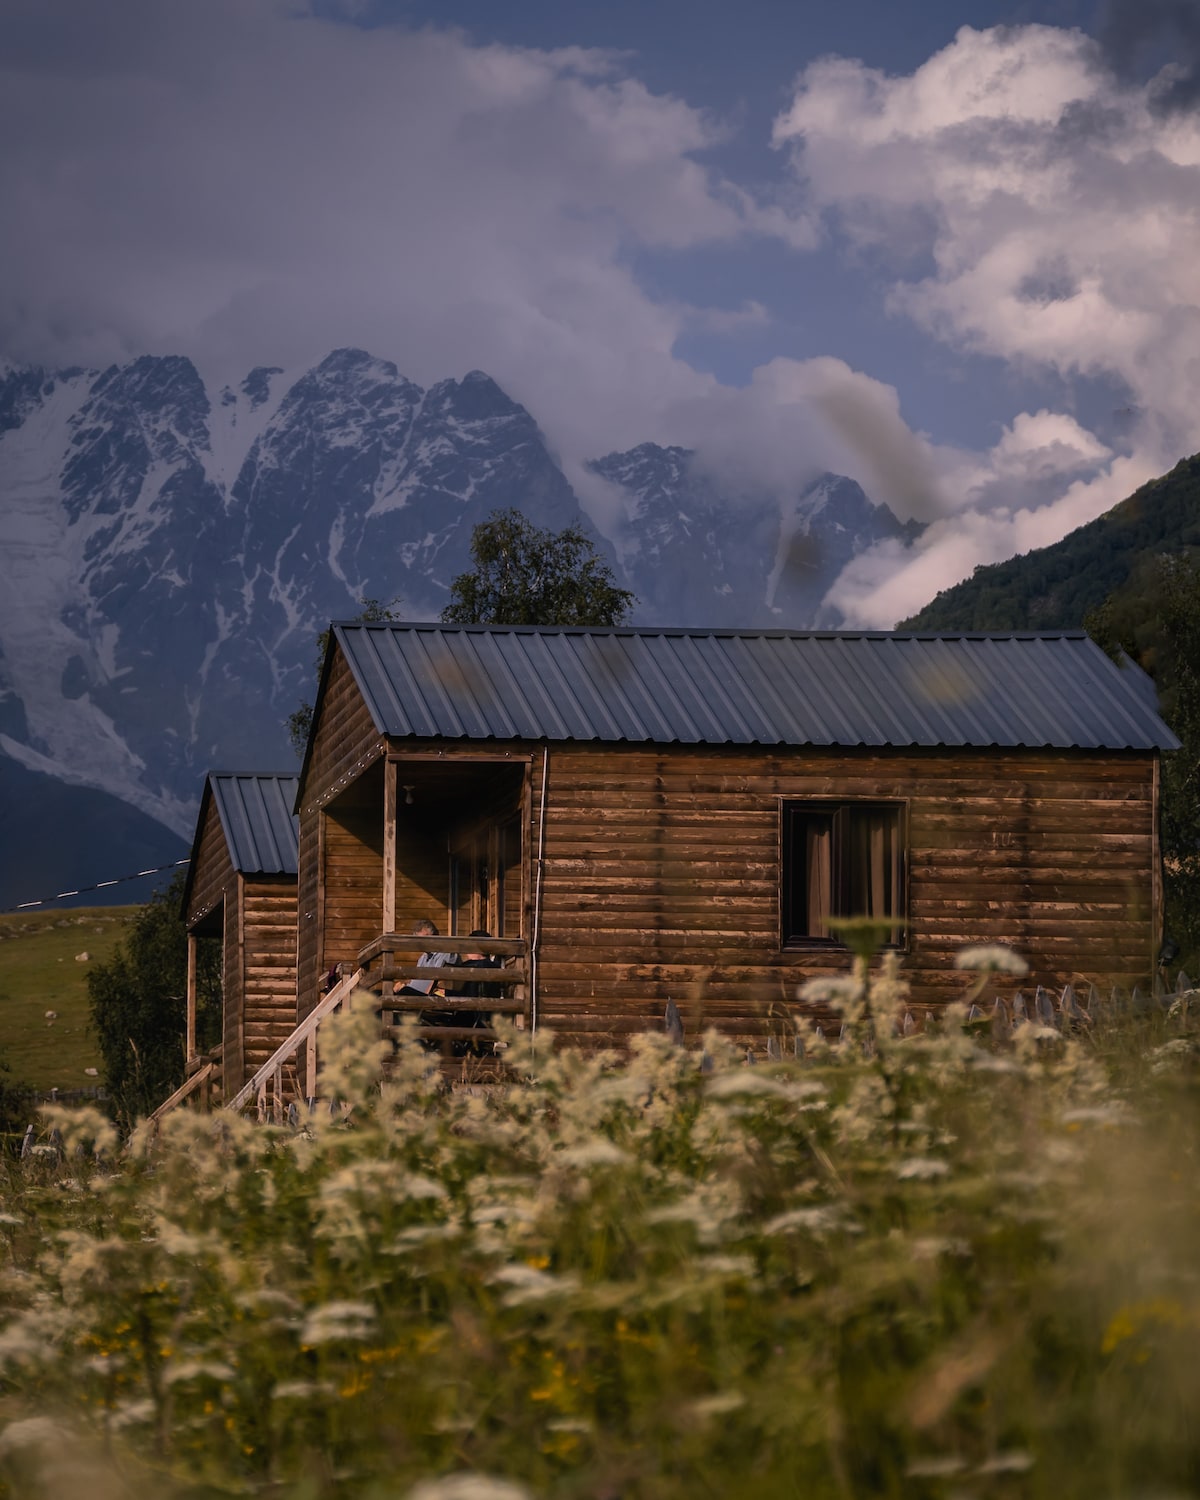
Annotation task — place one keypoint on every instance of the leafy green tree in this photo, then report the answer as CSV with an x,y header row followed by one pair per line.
x,y
138,1005
1155,618
299,724
526,575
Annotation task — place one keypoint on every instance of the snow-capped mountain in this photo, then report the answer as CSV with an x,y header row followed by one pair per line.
x,y
696,552
168,553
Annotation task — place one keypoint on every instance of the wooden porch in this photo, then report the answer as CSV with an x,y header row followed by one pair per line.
x,y
291,1076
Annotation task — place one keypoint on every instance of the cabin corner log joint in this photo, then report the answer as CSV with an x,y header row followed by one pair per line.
x,y
639,818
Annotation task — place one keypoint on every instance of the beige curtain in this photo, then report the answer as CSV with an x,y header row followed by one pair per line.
x,y
818,876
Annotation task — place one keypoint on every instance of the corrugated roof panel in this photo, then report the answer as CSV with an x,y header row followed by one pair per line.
x,y
256,816
748,687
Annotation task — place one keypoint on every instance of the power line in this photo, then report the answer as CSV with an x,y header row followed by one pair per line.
x,y
85,890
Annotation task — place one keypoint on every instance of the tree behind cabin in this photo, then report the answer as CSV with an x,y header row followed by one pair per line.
x,y
525,575
139,1005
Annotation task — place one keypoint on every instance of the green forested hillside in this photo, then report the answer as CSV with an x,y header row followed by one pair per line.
x,y
1132,579
1055,587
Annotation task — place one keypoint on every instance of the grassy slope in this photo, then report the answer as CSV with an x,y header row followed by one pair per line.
x,y
39,972
1053,587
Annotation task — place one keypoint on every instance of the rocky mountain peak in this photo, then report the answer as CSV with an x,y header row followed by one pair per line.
x,y
167,559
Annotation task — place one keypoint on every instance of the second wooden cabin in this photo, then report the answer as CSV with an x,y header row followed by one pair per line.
x,y
241,891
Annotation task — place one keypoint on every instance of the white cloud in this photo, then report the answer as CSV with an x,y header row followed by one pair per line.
x,y
248,186
889,583
1059,211
234,180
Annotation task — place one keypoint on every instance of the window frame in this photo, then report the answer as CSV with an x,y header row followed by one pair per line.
x,y
793,807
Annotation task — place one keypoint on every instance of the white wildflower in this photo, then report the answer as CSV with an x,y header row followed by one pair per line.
x,y
819,1219
1169,1054
934,1467
336,1321
468,1487
720,1404
1012,1462
516,1213
707,1213
933,1247
267,1300
827,991
528,1284
301,1390
596,1152
991,958
922,1169
10,1219
746,1082
418,1235
986,1062
133,1414
740,1266
197,1369
1114,1113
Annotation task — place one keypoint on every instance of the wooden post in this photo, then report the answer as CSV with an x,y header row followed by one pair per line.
x,y
1156,866
390,773
190,1043
310,1065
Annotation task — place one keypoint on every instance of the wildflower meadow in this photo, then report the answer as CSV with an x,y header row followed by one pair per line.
x,y
958,1262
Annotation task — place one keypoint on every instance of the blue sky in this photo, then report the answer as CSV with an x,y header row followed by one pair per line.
x,y
958,264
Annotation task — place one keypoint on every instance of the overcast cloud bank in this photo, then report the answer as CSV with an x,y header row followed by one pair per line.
x,y
249,186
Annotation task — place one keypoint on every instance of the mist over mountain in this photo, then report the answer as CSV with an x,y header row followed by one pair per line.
x,y
169,552
696,553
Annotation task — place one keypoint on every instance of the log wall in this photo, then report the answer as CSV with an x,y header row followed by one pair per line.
x,y
269,982
662,875
345,745
212,877
353,882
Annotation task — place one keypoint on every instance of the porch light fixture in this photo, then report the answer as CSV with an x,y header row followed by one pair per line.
x,y
408,795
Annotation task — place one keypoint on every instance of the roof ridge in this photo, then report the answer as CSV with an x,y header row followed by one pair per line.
x,y
775,632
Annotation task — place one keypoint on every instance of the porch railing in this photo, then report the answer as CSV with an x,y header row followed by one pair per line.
x,y
392,958
267,1084
200,1085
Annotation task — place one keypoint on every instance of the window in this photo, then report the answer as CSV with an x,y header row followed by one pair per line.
x,y
841,859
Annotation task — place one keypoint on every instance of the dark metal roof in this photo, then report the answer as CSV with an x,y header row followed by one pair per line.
x,y
742,687
257,820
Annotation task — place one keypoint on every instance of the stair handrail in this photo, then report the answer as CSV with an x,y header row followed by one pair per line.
x,y
324,1007
188,1087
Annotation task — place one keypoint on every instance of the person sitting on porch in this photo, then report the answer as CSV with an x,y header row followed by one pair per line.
x,y
423,927
480,961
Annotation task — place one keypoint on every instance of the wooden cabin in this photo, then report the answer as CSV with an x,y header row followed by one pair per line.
x,y
241,888
644,815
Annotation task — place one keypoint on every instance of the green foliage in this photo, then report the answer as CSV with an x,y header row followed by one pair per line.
x,y
299,724
1054,587
1130,579
525,575
1155,618
929,1265
138,1005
